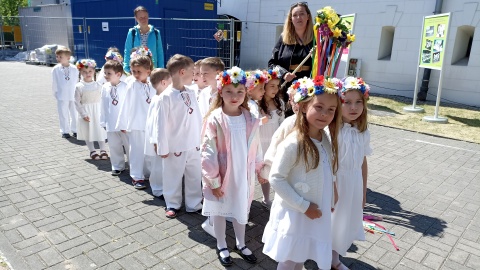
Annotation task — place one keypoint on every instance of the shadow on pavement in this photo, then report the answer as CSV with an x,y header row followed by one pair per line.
x,y
391,211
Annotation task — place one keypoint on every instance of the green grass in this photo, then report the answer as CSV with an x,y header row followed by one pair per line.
x,y
463,123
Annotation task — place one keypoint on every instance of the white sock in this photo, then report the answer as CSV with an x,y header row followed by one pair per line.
x,y
219,227
101,144
240,236
90,146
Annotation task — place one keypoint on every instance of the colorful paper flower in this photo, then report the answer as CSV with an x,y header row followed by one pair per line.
x,y
234,76
354,83
114,56
86,63
141,51
306,87
255,78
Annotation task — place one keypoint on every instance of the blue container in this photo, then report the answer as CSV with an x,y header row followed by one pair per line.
x,y
193,38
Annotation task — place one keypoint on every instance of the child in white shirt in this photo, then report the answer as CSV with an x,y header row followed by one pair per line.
x,y
160,80
178,136
64,79
113,97
197,83
210,67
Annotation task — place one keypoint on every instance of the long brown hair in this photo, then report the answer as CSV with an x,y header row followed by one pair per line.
x,y
218,101
277,101
289,36
307,149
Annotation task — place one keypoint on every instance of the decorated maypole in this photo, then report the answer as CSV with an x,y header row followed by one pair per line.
x,y
331,38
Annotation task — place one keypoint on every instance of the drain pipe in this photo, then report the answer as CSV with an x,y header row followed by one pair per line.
x,y
422,94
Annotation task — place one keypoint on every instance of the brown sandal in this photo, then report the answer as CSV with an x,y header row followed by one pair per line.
x,y
103,154
94,155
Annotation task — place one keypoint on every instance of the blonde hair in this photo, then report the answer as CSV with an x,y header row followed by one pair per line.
x,y
307,149
289,35
142,61
63,50
213,62
218,101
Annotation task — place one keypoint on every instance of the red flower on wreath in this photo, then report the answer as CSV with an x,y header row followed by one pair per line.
x,y
318,81
296,85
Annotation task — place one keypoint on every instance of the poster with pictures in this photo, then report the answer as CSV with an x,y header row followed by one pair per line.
x,y
434,39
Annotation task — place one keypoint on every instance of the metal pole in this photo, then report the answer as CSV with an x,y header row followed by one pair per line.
x,y
2,39
85,36
232,42
439,92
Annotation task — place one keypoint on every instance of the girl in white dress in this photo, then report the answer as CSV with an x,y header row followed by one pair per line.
x,y
88,97
231,154
299,227
273,108
354,146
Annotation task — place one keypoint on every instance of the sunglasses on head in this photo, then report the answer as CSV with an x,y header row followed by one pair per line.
x,y
300,4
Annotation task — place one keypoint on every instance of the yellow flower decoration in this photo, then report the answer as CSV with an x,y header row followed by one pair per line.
x,y
337,32
330,86
331,24
311,91
350,37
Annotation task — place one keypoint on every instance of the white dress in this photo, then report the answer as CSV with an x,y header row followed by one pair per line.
x,y
291,236
268,129
88,96
347,218
235,202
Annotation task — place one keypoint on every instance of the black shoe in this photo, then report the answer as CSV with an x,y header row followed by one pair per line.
x,y
160,197
116,172
227,261
65,135
74,135
248,258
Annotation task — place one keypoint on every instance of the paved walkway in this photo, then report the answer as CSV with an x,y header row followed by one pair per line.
x,y
59,210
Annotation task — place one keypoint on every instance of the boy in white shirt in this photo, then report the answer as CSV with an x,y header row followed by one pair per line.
x,y
64,79
113,97
197,83
160,79
178,132
210,67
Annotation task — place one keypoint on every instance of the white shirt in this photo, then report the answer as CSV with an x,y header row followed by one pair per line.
x,y
150,131
112,95
254,108
179,123
205,99
64,80
133,114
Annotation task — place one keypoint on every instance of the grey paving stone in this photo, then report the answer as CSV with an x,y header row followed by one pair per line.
x,y
50,256
99,257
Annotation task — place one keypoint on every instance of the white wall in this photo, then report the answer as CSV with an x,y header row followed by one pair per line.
x,y
398,73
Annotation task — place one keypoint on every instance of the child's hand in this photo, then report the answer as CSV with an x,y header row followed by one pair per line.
x,y
262,180
164,156
264,120
123,131
313,212
155,147
86,118
217,192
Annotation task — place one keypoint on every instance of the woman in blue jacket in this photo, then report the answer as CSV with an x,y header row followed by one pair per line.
x,y
143,34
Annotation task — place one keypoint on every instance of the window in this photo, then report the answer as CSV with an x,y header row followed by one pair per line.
x,y
463,45
386,43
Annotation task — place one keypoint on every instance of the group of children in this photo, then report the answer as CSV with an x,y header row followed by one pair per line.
x,y
220,131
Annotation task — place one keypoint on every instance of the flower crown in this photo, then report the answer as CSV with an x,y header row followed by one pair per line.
x,y
254,78
330,24
141,51
86,63
234,76
114,56
273,74
306,87
350,83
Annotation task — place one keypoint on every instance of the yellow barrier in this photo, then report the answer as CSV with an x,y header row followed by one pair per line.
x,y
15,31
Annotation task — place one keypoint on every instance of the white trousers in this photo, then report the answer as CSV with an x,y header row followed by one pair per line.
x,y
186,164
136,157
67,114
117,140
156,175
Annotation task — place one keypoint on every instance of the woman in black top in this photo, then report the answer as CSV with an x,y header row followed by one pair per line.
x,y
294,45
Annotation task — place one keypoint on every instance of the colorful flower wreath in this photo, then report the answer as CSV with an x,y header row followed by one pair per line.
x,y
86,63
351,83
306,87
254,78
114,56
141,51
273,74
234,76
